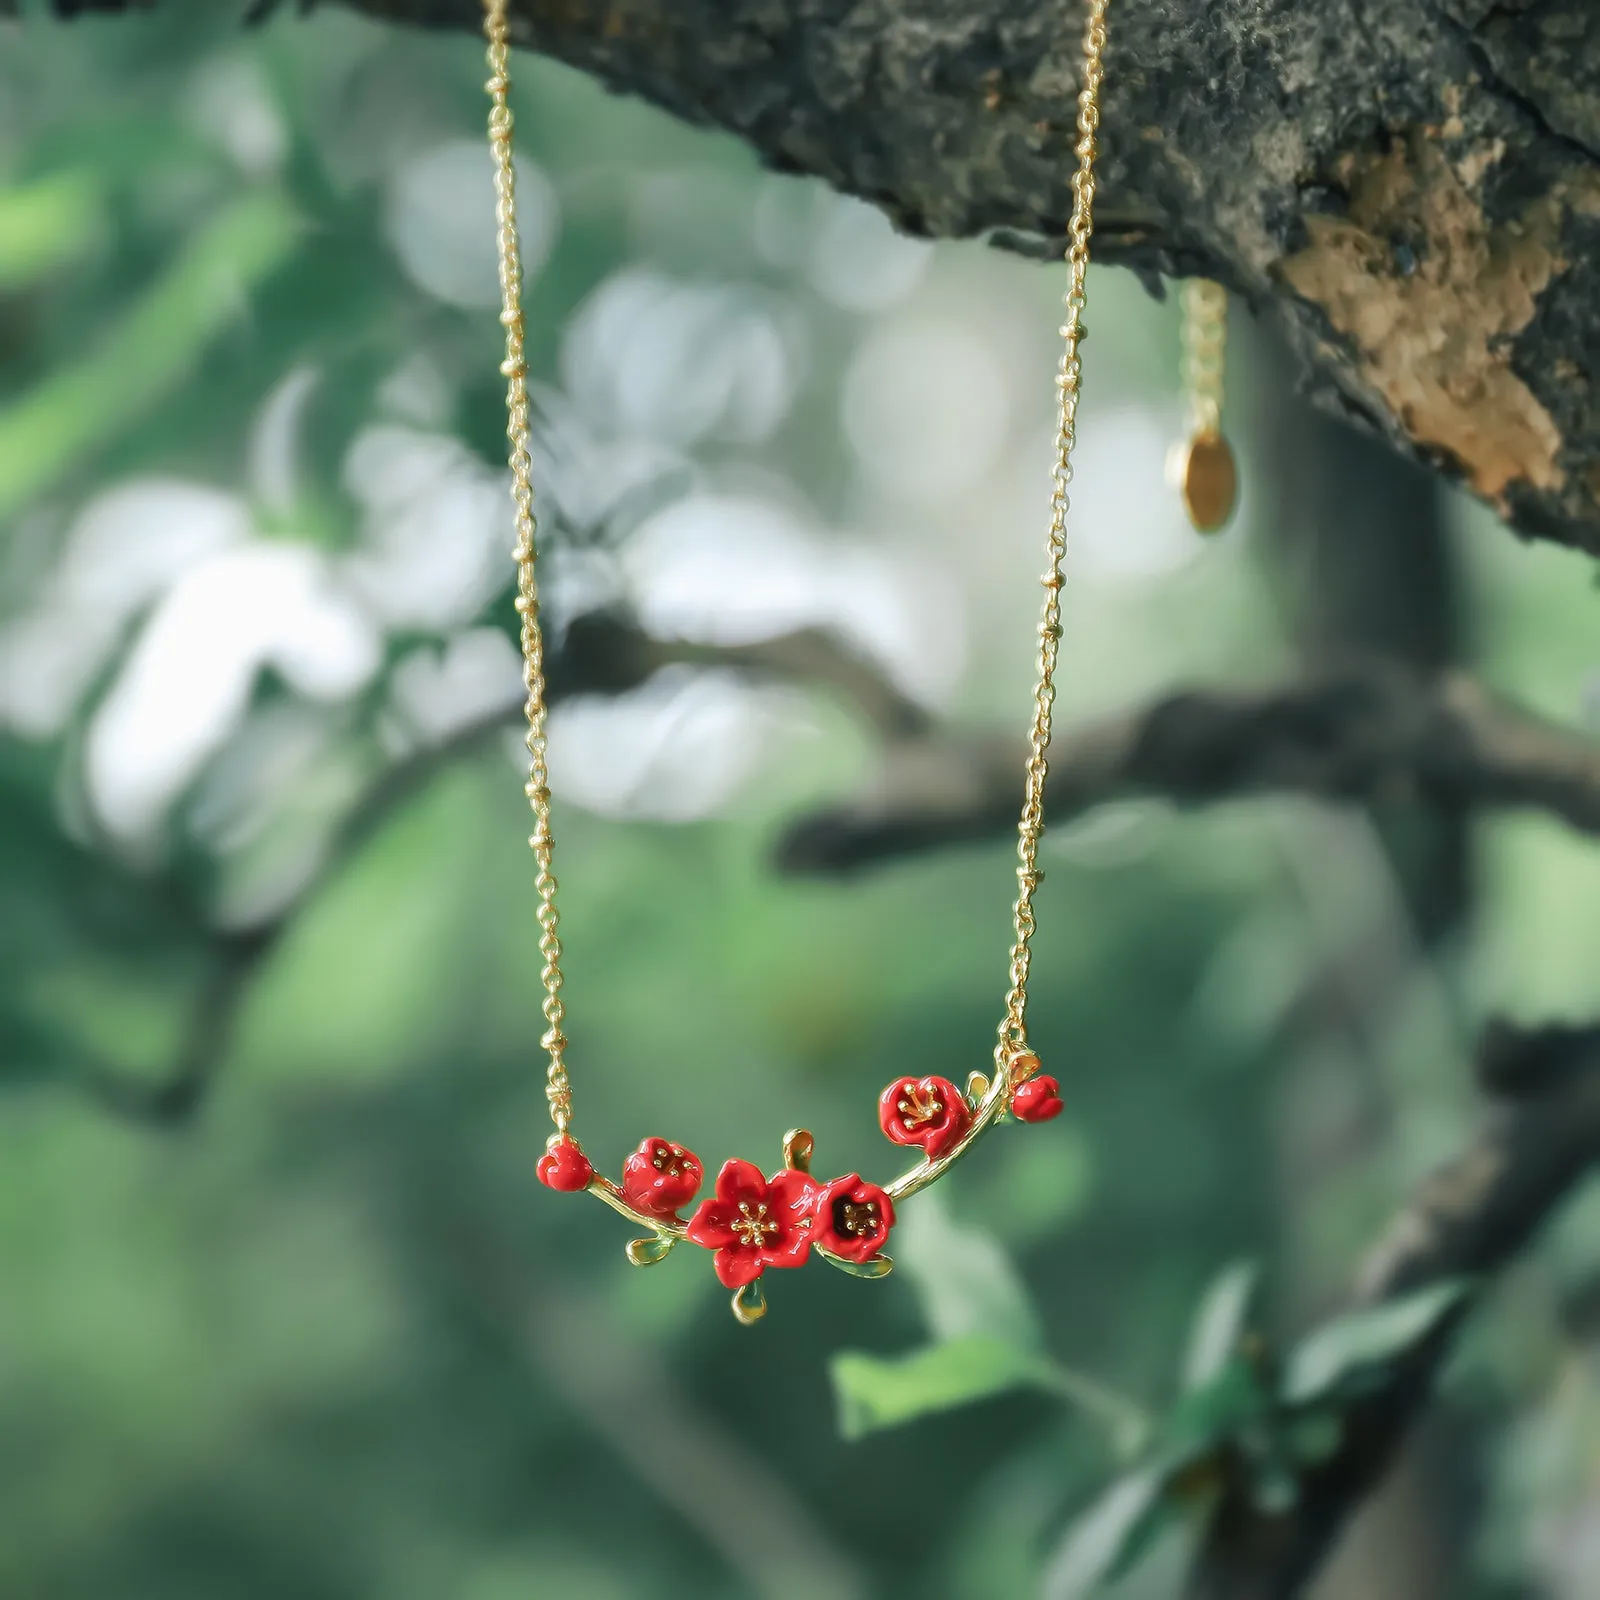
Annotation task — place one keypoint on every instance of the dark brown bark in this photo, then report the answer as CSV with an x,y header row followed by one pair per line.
x,y
1409,189
1366,732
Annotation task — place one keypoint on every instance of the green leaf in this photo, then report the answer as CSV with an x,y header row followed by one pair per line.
x,y
1313,1435
964,1279
145,354
44,224
877,1392
1220,1323
1354,1350
653,1248
1108,1539
1219,1409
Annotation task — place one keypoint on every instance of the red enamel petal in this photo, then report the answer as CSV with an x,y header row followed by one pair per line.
x,y
889,1111
791,1250
943,1137
740,1180
851,1247
712,1225
737,1266
793,1192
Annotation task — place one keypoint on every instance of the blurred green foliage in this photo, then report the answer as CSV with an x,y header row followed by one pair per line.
x,y
328,1338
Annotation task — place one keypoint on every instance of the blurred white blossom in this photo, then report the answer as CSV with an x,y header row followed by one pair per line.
x,y
435,527
125,548
439,216
732,568
926,408
648,356
857,259
190,674
234,106
436,689
673,750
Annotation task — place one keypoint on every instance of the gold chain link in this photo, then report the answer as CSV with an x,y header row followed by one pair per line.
x,y
1013,1028
1205,347
558,1087
1014,1025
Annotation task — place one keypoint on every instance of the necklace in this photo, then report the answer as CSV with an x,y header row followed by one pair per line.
x,y
752,1221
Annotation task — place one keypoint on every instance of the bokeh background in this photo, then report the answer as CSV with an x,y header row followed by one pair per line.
x,y
283,1313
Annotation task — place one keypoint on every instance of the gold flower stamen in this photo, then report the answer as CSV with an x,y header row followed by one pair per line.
x,y
753,1227
920,1106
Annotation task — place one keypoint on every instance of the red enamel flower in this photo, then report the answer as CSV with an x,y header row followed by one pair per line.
x,y
755,1222
659,1177
564,1167
923,1111
851,1219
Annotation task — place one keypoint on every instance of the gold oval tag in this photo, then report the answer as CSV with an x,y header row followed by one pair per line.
x,y
1203,471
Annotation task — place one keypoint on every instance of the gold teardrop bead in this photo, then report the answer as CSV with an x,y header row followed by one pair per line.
x,y
1203,471
749,1304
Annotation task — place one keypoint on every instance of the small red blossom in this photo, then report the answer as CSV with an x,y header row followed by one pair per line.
x,y
564,1167
755,1222
659,1177
930,1112
1037,1100
851,1219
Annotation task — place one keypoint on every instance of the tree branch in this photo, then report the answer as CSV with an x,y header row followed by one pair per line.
x,y
1411,188
1470,1219
1366,732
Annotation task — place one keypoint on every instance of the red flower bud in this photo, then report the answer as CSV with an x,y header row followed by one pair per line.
x,y
851,1219
923,1111
564,1167
659,1177
1037,1100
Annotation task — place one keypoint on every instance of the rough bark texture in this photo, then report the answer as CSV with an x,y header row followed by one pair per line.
x,y
1409,188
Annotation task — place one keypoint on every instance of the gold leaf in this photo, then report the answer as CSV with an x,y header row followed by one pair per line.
x,y
649,1250
872,1267
797,1148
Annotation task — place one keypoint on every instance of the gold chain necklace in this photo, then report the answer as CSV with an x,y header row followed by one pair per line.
x,y
754,1222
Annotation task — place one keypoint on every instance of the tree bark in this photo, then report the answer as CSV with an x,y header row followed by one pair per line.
x,y
1409,189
